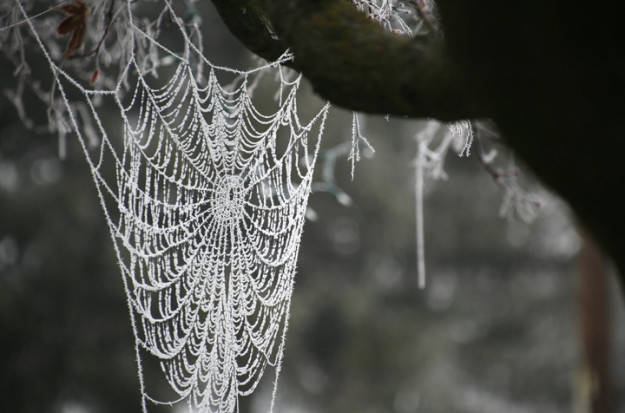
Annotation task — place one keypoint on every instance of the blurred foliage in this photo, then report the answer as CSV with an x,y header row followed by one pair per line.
x,y
62,309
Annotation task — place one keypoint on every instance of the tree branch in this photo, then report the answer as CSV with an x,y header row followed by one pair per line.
x,y
351,60
250,26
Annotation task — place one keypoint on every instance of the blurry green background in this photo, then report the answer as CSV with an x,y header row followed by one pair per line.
x,y
495,330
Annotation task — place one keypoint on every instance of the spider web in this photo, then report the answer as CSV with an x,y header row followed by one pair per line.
x,y
211,214
205,198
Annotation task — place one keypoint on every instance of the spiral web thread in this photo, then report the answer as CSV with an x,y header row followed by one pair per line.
x,y
206,202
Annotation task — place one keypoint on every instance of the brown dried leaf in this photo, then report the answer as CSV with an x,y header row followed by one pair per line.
x,y
75,23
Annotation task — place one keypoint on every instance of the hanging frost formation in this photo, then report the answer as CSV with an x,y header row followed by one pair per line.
x,y
205,197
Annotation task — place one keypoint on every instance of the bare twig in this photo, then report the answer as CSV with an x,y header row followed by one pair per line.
x,y
504,180
109,18
423,16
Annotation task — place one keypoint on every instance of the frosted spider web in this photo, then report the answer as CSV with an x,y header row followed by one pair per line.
x,y
205,198
211,217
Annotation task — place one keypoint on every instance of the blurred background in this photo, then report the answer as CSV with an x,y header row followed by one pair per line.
x,y
503,325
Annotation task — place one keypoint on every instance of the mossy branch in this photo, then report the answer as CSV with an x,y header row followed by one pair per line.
x,y
351,60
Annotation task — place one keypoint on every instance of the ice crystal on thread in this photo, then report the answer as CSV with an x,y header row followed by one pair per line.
x,y
404,17
358,142
463,129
